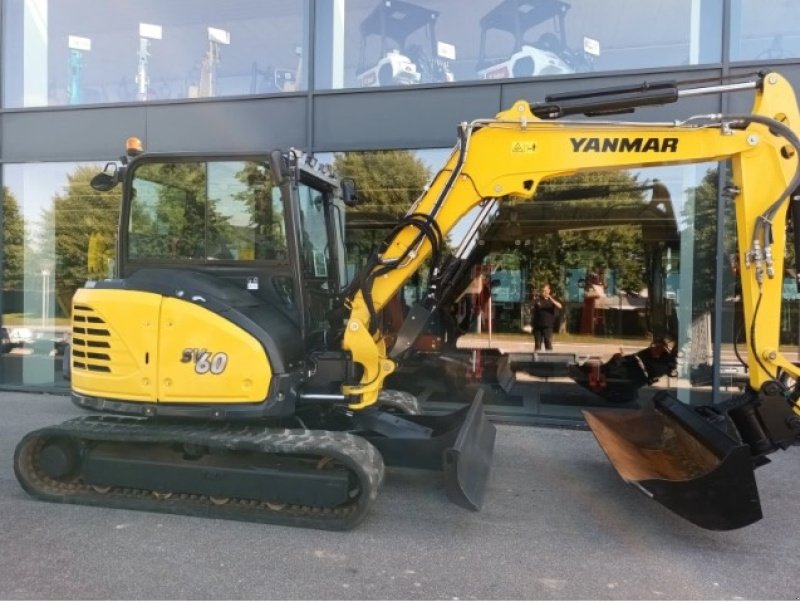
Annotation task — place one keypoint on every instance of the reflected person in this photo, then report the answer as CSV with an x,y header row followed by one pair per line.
x,y
545,310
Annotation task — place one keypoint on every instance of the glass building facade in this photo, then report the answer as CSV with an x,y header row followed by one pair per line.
x,y
355,81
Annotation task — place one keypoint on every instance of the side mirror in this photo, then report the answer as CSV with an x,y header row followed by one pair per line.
x,y
349,192
106,179
279,166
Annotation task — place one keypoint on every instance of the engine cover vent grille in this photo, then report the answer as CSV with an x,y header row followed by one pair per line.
x,y
91,341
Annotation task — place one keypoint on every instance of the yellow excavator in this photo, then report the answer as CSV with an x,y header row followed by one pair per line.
x,y
238,371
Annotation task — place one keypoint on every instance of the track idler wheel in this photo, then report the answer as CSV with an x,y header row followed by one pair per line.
x,y
60,459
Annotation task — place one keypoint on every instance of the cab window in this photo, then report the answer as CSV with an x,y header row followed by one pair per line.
x,y
313,231
205,210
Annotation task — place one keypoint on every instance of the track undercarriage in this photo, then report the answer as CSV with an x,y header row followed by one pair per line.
x,y
322,476
286,476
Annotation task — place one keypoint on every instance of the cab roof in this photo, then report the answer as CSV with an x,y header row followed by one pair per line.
x,y
397,19
518,16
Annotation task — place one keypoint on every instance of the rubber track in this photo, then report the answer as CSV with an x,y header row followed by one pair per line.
x,y
354,453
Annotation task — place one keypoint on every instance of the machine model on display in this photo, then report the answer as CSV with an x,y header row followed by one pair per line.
x,y
398,60
147,32
77,47
548,54
207,86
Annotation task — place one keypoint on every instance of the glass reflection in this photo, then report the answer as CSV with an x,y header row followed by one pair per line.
x,y
398,45
77,52
218,211
58,233
366,43
629,255
533,41
764,31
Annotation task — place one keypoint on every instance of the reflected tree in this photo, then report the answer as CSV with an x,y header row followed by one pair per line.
x,y
608,246
264,211
387,180
388,183
701,211
172,215
13,242
168,210
80,233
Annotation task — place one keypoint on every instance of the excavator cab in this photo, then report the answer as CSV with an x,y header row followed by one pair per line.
x,y
548,54
217,349
401,61
253,242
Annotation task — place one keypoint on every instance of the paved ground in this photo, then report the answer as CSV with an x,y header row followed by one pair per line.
x,y
558,524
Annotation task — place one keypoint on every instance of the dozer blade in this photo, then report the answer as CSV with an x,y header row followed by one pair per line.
x,y
461,444
682,461
467,462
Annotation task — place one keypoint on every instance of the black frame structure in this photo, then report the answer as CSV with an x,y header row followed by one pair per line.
x,y
337,120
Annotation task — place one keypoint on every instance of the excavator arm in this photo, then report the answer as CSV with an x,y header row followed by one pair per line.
x,y
510,155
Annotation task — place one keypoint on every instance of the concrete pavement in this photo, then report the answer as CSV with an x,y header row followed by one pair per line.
x,y
558,523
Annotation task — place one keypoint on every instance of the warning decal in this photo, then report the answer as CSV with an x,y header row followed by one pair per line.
x,y
523,147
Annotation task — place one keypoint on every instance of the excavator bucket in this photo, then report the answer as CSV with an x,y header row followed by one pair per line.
x,y
460,444
678,458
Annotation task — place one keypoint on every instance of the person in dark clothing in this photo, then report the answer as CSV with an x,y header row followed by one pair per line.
x,y
545,308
